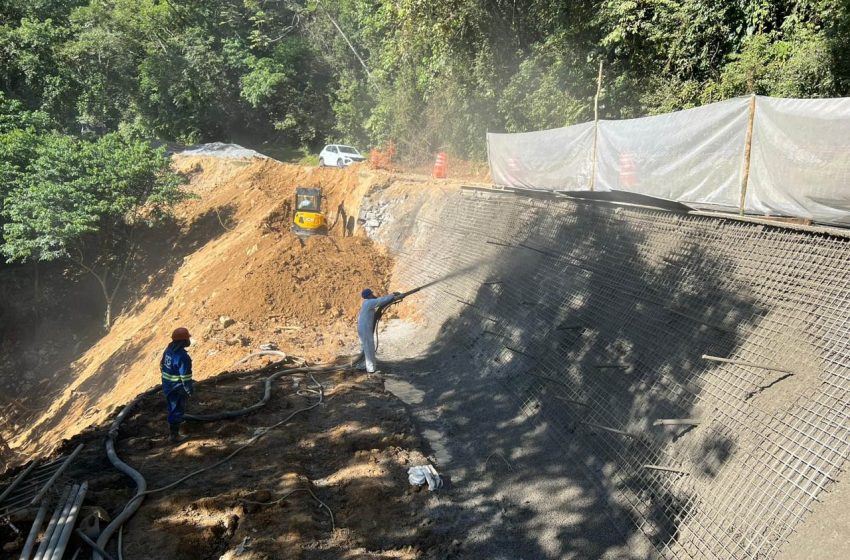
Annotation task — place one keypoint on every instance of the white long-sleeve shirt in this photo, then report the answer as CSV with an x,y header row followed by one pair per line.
x,y
366,317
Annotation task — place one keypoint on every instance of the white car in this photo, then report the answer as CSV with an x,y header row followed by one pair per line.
x,y
339,155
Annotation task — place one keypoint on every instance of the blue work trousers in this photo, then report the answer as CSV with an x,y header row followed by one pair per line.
x,y
175,400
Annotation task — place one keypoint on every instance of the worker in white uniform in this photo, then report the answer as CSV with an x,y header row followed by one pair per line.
x,y
366,323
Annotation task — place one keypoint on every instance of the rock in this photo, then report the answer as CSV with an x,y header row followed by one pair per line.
x,y
231,524
140,443
261,496
225,321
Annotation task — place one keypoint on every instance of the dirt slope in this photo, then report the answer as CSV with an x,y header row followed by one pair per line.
x,y
233,274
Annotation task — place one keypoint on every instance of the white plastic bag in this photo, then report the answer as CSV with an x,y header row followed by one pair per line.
x,y
421,474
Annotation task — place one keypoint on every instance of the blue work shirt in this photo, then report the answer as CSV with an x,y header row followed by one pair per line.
x,y
176,367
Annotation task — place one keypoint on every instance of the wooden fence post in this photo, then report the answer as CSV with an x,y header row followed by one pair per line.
x,y
748,147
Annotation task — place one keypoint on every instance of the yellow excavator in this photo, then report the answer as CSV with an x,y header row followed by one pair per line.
x,y
308,219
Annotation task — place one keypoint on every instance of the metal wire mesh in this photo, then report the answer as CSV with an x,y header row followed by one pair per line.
x,y
597,317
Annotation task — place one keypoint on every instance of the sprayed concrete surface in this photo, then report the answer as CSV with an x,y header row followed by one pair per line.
x,y
564,330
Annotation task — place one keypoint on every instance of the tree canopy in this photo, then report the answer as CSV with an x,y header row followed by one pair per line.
x,y
65,197
427,74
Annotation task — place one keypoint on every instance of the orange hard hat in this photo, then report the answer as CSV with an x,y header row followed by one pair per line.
x,y
180,333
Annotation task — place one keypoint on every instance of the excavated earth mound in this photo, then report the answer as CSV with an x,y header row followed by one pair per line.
x,y
233,273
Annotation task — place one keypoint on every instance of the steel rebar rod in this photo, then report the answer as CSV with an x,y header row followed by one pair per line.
x,y
664,469
677,422
36,478
56,475
608,429
18,479
745,364
23,493
33,535
542,252
66,526
51,525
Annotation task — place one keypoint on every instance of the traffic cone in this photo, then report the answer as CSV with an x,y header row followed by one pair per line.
x,y
440,166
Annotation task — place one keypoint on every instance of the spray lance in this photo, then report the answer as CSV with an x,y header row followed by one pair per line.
x,y
380,310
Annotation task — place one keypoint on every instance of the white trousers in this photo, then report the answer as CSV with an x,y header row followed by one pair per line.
x,y
367,342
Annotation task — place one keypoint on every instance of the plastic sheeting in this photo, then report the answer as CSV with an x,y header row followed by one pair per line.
x,y
800,161
694,156
552,160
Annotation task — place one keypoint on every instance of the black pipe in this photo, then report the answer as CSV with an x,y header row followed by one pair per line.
x,y
226,415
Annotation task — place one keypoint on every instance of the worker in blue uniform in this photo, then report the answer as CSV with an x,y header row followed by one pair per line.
x,y
176,369
366,323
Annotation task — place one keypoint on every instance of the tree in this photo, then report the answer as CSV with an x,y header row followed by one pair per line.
x,y
85,201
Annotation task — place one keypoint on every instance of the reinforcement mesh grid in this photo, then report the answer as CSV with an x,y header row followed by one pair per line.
x,y
597,319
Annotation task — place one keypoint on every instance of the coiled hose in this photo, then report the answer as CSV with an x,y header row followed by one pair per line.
x,y
141,485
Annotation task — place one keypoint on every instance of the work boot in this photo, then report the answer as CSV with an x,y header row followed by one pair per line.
x,y
176,436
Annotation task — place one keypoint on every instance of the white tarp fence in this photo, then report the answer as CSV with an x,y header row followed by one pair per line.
x,y
799,161
550,160
692,156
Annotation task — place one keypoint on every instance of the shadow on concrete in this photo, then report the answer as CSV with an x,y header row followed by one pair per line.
x,y
584,324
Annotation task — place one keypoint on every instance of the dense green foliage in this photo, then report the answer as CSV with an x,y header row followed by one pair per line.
x,y
82,200
440,72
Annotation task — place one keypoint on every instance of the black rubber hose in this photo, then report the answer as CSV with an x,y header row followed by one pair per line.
x,y
267,393
141,484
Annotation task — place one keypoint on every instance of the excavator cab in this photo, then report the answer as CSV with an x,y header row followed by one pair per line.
x,y
308,219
